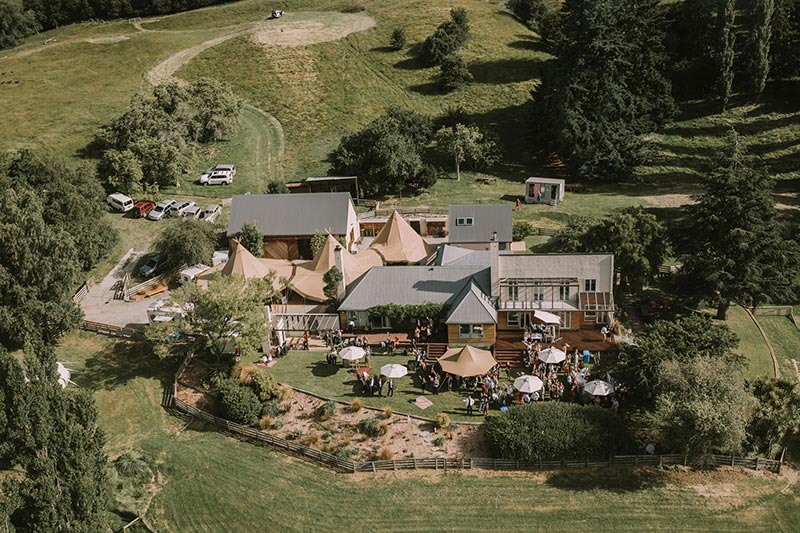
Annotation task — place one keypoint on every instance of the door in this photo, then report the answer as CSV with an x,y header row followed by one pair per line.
x,y
554,192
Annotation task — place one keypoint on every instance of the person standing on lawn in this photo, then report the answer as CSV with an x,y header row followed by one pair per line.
x,y
391,389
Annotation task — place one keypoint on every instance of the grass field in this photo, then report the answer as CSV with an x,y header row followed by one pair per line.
x,y
785,339
209,482
751,344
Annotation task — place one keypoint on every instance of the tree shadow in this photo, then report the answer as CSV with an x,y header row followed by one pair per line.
x,y
615,480
383,49
124,362
413,59
431,88
506,70
322,369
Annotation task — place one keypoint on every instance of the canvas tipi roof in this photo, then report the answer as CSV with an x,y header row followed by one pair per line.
x,y
245,264
467,361
397,242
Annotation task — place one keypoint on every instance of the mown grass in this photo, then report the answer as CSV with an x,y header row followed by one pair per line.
x,y
751,344
785,339
210,482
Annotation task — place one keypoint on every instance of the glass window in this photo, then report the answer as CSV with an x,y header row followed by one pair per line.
x,y
513,319
470,331
590,285
563,292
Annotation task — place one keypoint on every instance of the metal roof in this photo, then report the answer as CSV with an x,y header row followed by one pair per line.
x,y
448,254
472,306
486,219
330,178
412,285
290,215
545,180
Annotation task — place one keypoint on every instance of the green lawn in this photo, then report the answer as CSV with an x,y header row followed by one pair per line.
x,y
209,482
785,339
309,371
751,344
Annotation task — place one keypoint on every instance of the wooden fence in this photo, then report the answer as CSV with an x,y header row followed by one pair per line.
x,y
447,463
83,291
773,310
142,286
112,330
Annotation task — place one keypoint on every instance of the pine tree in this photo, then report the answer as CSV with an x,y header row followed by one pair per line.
x,y
763,12
738,252
785,39
726,54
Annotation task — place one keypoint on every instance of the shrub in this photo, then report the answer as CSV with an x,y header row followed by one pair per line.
x,y
442,420
454,73
264,385
244,372
217,377
345,452
294,435
285,392
326,410
277,424
520,230
238,402
356,406
272,409
388,412
354,8
398,40
448,37
386,453
277,187
265,422
556,431
370,427
310,439
439,442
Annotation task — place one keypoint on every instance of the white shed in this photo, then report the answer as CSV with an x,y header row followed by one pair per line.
x,y
544,191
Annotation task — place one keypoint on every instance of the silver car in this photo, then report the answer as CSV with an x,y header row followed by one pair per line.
x,y
162,209
211,213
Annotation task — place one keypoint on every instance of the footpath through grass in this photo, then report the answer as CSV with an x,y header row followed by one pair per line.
x,y
209,482
785,339
751,344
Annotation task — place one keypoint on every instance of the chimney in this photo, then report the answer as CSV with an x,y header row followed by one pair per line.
x,y
494,267
339,260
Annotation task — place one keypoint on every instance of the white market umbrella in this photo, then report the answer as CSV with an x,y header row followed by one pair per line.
x,y
552,355
393,370
528,384
547,318
598,387
352,353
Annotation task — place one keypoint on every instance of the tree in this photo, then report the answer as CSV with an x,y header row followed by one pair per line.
x,y
682,341
252,238
785,39
39,269
533,13
454,73
53,436
318,242
465,143
777,415
606,88
398,41
186,242
238,402
763,10
691,42
16,23
215,110
448,37
277,187
726,53
521,229
333,279
230,310
737,251
702,406
123,172
387,155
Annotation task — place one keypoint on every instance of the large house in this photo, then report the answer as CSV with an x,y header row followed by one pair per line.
x,y
289,221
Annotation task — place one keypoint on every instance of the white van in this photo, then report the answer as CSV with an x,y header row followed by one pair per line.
x,y
119,202
188,275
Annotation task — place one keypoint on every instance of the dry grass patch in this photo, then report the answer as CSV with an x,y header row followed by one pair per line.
x,y
244,372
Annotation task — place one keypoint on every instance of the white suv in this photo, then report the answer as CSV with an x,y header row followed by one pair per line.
x,y
218,175
119,202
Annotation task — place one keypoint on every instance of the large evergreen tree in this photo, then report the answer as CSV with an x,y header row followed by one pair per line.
x,y
606,86
785,61
737,251
726,54
763,11
52,434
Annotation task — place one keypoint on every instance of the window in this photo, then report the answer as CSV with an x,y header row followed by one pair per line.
x,y
563,292
513,290
538,292
590,285
380,322
464,221
470,331
513,319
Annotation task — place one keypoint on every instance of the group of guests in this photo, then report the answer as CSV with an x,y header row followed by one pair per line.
x,y
372,385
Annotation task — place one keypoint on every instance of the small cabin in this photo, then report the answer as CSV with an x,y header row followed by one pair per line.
x,y
544,191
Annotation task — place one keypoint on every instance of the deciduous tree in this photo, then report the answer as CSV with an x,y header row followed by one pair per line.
x,y
454,73
186,242
777,415
465,143
252,238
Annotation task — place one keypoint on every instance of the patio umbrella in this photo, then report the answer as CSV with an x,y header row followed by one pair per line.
x,y
352,353
393,370
552,355
598,387
528,384
467,361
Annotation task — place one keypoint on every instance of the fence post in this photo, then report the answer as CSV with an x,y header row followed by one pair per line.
x,y
394,464
685,458
415,463
354,466
636,460
732,463
373,467
436,463
494,463
470,464
660,460
781,463
756,464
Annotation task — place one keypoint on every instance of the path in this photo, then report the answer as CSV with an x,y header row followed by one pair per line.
x,y
775,366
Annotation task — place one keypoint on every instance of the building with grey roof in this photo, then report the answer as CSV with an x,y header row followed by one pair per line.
x,y
290,220
477,225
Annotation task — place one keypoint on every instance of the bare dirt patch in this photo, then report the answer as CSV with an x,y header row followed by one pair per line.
x,y
303,29
668,200
108,40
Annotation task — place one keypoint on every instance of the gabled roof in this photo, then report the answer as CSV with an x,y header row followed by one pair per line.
x,y
448,254
412,285
486,219
289,215
397,242
472,306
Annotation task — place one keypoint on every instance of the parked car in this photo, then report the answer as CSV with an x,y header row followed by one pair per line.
x,y
180,210
211,213
192,212
148,269
162,209
218,175
141,208
119,202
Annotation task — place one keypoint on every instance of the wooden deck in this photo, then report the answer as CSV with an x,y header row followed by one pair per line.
x,y
509,347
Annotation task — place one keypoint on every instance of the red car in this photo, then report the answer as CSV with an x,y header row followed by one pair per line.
x,y
140,209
